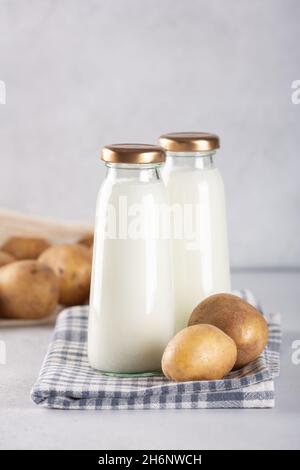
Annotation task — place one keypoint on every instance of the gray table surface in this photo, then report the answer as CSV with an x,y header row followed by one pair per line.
x,y
23,425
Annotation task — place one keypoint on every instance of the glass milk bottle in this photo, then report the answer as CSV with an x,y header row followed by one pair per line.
x,y
131,316
200,247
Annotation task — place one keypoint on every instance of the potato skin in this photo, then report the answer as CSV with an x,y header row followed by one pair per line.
x,y
87,240
28,290
6,258
25,247
199,352
239,320
72,265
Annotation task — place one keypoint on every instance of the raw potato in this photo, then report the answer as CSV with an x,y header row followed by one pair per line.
x,y
5,258
88,240
72,265
239,320
200,352
25,247
28,290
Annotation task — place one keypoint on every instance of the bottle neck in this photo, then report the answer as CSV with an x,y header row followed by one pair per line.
x,y
190,160
143,173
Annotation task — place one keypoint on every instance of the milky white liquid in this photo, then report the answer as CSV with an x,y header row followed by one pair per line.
x,y
203,270
131,305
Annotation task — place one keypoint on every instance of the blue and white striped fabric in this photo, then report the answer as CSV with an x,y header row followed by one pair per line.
x,y
66,381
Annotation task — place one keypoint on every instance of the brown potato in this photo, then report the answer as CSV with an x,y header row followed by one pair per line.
x,y
72,265
28,290
87,240
239,320
200,352
25,247
5,258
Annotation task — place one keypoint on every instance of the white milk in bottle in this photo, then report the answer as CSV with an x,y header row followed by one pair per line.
x,y
200,247
131,315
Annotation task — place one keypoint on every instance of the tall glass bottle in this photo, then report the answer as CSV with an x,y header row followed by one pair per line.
x,y
196,192
131,303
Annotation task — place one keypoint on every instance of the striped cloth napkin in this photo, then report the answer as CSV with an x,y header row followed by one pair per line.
x,y
66,380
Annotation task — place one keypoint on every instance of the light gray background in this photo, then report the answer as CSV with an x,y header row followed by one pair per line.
x,y
80,74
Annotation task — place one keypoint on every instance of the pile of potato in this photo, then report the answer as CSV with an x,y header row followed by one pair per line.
x,y
224,332
36,276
